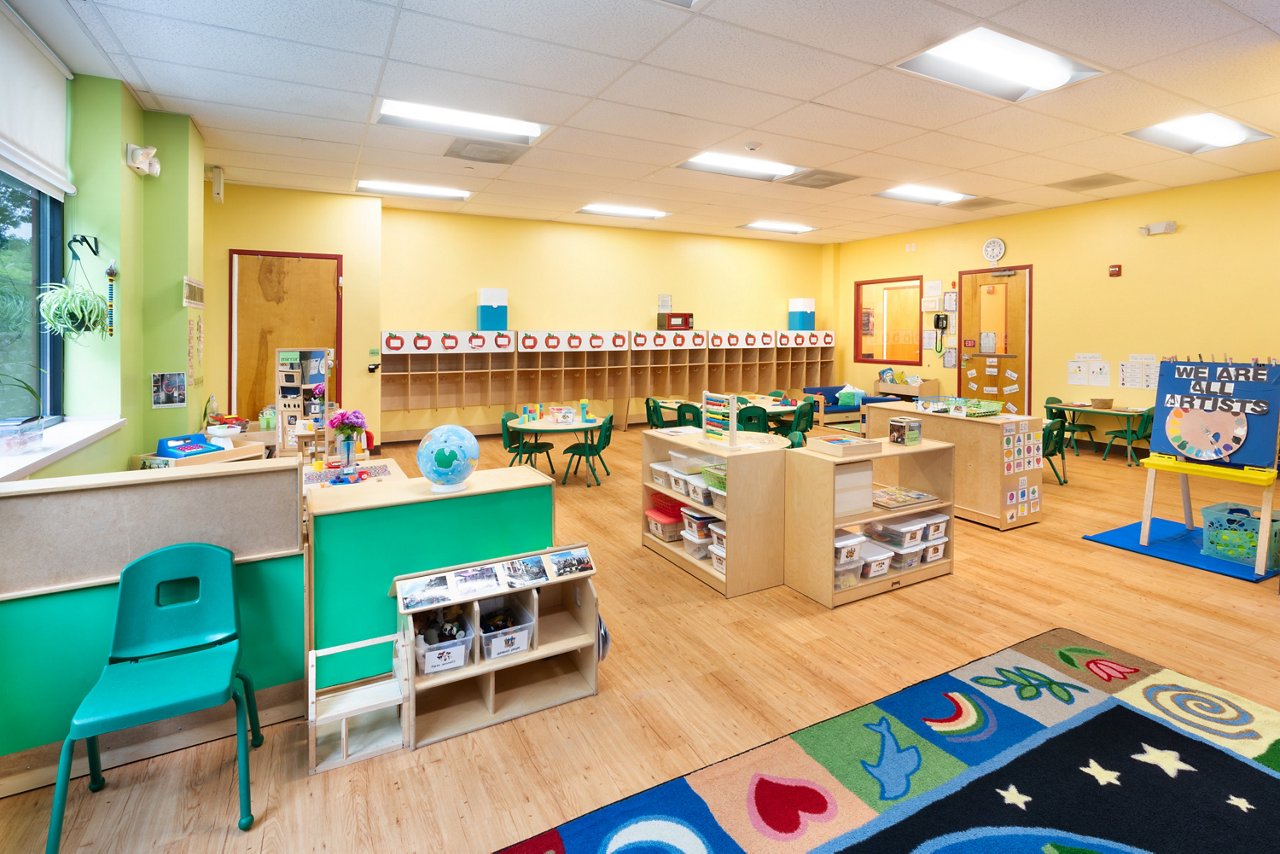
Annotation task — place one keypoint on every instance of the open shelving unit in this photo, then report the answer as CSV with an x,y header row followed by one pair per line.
x,y
759,361
812,519
572,365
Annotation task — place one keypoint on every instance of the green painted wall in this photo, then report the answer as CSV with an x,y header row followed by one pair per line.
x,y
56,645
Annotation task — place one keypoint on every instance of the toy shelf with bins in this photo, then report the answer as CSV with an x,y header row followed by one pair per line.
x,y
559,664
812,518
753,513
298,371
447,369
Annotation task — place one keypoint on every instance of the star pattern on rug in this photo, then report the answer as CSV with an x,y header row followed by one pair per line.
x,y
1167,761
1102,775
1012,796
1237,801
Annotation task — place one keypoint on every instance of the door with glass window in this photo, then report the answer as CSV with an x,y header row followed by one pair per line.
x,y
995,337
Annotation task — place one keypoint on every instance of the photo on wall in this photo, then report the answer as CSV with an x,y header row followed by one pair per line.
x,y
169,390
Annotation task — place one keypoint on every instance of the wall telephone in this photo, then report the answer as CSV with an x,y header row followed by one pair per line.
x,y
940,322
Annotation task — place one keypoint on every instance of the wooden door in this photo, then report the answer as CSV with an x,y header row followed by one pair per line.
x,y
995,337
279,300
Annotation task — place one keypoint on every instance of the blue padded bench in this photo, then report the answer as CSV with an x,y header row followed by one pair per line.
x,y
829,410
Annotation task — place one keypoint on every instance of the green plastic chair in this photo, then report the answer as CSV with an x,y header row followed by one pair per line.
x,y
742,401
521,448
753,419
1053,444
589,451
1071,429
653,413
689,415
801,423
777,392
175,650
1142,431
797,439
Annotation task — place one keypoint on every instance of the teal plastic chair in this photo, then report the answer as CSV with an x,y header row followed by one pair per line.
x,y
1142,431
689,415
801,423
175,650
796,439
589,451
753,419
777,392
653,413
1071,429
521,448
742,401
1053,444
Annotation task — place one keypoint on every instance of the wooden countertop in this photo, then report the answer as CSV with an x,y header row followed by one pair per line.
x,y
910,409
888,449
388,493
695,442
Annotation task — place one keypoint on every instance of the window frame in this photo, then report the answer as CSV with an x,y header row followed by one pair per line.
x,y
857,321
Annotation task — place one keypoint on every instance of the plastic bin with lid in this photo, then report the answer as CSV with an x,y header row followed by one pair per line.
x,y
846,576
697,547
687,463
905,557
679,482
717,476
718,558
719,533
876,559
666,525
897,532
719,498
697,489
660,473
848,547
696,522
934,549
509,640
936,525
446,654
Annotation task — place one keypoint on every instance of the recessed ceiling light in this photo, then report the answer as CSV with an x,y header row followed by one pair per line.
x,y
923,194
622,210
426,191
775,225
449,120
999,65
1199,133
740,167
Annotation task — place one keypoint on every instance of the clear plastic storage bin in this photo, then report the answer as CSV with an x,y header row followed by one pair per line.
x,y
696,522
664,524
718,559
660,473
934,549
719,533
697,547
509,641
698,490
679,482
898,532
876,559
687,463
905,557
936,525
848,547
719,498
445,655
847,576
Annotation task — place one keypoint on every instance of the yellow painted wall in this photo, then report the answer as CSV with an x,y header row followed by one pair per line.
x,y
1211,287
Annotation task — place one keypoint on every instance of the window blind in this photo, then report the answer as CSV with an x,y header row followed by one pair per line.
x,y
33,109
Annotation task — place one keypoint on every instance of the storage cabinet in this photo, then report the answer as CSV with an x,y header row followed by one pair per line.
x,y
927,388
298,372
817,514
762,360
752,514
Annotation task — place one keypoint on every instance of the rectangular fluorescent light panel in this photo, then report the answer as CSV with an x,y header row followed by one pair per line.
x,y
1199,133
782,227
425,191
409,114
923,194
622,210
995,64
740,167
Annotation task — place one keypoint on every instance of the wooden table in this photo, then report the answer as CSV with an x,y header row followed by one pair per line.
x,y
1078,409
585,430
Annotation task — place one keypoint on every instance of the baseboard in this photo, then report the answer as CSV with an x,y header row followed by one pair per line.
x,y
38,766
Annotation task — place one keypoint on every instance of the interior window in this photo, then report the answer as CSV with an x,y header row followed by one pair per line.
x,y
887,322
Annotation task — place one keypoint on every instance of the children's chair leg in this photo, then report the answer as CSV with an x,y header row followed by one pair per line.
x,y
96,781
550,463
54,839
242,756
606,467
252,697
1107,450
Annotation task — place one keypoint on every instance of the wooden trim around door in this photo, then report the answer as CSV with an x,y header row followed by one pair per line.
x,y
960,325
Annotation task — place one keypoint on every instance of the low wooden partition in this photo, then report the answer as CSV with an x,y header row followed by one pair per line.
x,y
63,543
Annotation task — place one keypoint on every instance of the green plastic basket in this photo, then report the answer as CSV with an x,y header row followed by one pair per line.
x,y
716,476
1231,533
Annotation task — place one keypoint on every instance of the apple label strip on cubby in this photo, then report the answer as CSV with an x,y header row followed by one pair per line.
x,y
736,339
448,341
572,340
668,339
482,579
806,338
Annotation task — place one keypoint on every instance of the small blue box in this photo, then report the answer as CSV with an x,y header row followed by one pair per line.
x,y
801,320
491,318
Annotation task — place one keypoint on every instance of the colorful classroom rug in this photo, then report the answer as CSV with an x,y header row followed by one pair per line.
x,y
1173,542
1060,744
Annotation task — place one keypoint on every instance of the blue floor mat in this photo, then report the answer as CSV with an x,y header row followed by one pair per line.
x,y
1172,541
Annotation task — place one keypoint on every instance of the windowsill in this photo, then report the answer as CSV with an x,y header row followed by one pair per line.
x,y
60,441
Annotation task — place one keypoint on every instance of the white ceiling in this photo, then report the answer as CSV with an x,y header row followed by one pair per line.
x,y
285,92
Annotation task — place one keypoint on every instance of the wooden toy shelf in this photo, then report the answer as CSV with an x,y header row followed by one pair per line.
x,y
812,520
928,388
753,511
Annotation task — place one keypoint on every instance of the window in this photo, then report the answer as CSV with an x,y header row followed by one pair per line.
x,y
887,322
30,253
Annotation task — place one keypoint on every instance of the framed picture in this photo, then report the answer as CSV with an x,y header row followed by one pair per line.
x,y
169,390
868,322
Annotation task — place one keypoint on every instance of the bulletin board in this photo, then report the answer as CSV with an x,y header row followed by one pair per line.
x,y
1218,413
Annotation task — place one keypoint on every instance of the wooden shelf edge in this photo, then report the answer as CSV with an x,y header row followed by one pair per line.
x,y
684,499
425,682
876,514
699,569
579,692
902,577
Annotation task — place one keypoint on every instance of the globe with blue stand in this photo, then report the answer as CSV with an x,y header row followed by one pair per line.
x,y
447,456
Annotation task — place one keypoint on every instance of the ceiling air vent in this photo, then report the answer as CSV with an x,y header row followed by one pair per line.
x,y
816,179
980,203
485,152
1091,182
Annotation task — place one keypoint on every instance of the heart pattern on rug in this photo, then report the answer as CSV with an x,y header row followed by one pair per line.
x,y
781,808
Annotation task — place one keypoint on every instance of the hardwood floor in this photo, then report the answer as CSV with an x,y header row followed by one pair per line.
x,y
694,678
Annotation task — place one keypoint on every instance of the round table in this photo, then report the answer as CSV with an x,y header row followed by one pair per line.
x,y
585,429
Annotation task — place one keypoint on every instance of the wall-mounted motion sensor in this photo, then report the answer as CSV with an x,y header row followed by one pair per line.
x,y
373,366
752,146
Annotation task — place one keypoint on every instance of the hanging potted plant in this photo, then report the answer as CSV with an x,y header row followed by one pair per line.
x,y
71,310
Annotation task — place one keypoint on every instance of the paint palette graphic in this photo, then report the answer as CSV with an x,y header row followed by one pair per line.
x,y
1203,435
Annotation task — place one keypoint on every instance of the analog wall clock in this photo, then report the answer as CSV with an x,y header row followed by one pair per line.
x,y
993,249
1204,435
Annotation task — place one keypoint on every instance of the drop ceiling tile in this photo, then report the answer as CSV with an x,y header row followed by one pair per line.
x,y
493,196
1261,156
839,127
1035,169
1120,35
97,27
412,203
978,184
286,180
731,54
354,24
421,173
1114,103
564,161
454,46
279,163
288,146
579,141
1022,130
1184,170
946,150
577,196
881,227
900,96
1048,197
874,31
1261,113
876,205
445,168
1111,153
899,170
508,212
186,43
183,81
1133,188
552,178
787,149
407,139
208,115
906,222
628,30
1239,67
981,8
407,82
653,125
1259,10
129,73
686,95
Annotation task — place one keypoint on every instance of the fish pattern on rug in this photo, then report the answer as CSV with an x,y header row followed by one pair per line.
x,y
1061,743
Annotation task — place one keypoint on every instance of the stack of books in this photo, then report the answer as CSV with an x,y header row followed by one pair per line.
x,y
893,497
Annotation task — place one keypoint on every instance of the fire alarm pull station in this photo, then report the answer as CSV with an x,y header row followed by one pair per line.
x,y
1114,271
675,320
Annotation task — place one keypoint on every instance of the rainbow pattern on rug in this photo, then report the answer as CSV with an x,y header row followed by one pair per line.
x,y
1058,744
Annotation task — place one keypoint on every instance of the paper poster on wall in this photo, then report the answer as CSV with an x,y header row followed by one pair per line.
x,y
1011,389
993,361
929,340
972,372
990,389
973,386
1012,375
949,357
1077,372
933,288
950,301
949,340
929,304
169,390
992,372
1218,413
1100,373
1142,370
